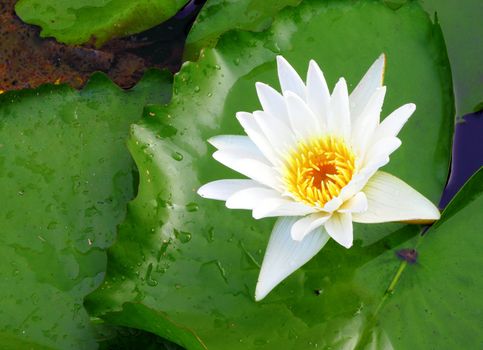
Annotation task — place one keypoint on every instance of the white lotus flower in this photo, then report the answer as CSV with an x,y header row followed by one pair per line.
x,y
312,159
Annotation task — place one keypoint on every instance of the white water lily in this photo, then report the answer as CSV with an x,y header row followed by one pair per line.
x,y
312,159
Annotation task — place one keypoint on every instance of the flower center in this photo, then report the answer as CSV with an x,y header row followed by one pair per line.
x,y
316,170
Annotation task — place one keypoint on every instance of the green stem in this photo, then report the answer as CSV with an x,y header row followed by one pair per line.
x,y
363,341
396,278
392,286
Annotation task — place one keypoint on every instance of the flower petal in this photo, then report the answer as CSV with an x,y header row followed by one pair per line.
x,y
241,145
380,151
318,95
357,204
289,78
222,189
339,119
369,83
232,142
255,133
358,181
391,199
254,169
250,197
339,227
284,255
332,205
308,223
303,122
280,207
278,133
272,102
394,122
364,126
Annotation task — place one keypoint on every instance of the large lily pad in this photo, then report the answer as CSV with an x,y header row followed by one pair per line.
x,y
65,176
462,29
441,294
186,268
79,21
219,16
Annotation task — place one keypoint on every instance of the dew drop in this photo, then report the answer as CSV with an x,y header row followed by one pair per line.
x,y
52,225
184,237
211,234
149,280
191,207
177,156
152,283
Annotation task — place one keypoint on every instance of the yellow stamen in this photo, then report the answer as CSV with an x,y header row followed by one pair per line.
x,y
317,169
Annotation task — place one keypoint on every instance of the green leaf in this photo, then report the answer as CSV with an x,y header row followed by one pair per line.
x,y
80,21
461,25
65,176
121,338
437,303
186,268
219,16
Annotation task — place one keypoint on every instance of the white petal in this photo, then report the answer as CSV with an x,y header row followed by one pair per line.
x,y
278,133
247,121
380,151
355,185
394,122
369,83
357,204
272,102
318,95
391,199
222,189
240,145
250,197
307,224
339,227
303,122
332,205
232,142
284,255
254,169
359,180
364,126
289,78
339,120
280,207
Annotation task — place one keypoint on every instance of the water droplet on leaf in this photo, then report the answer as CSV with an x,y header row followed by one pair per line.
x,y
191,207
177,156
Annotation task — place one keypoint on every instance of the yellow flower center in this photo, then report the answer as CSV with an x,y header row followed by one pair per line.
x,y
316,170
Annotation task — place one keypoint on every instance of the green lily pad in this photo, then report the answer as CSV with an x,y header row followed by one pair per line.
x,y
441,293
219,16
80,21
461,25
122,338
66,177
185,268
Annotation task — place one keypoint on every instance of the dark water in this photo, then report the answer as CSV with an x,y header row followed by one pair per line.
x,y
467,154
